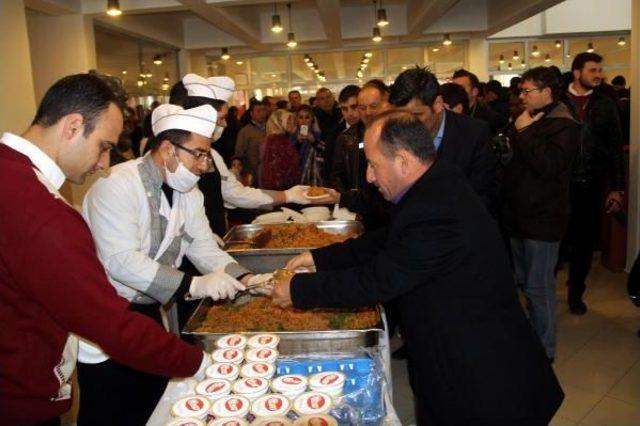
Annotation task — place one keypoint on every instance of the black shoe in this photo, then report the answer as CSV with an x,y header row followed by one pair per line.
x,y
400,353
577,307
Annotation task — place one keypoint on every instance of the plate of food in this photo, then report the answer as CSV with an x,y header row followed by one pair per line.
x,y
316,193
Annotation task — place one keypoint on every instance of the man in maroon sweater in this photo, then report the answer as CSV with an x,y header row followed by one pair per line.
x,y
52,286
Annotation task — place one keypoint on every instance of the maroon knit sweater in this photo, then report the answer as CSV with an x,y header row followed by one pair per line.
x,y
52,284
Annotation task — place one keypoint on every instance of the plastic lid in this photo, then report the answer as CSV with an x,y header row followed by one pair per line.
x,y
272,421
250,386
262,355
289,383
225,370
327,380
236,341
312,403
191,406
213,388
264,341
234,356
258,369
316,420
231,406
187,421
228,421
271,404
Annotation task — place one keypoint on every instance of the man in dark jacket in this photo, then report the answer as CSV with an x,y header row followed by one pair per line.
x,y
345,152
536,188
473,357
598,178
478,108
459,139
329,120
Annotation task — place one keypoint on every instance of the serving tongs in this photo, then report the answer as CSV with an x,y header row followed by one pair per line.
x,y
259,241
242,296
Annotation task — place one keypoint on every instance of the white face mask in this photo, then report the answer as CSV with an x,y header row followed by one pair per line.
x,y
217,133
182,180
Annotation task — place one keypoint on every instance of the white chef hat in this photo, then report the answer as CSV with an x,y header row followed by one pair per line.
x,y
220,88
200,120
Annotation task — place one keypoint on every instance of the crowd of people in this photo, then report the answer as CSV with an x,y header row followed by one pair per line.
x,y
461,186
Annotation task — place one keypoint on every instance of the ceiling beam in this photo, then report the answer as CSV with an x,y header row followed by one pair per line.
x,y
502,14
421,14
154,29
222,20
54,7
329,11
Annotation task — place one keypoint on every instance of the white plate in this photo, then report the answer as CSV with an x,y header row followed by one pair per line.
x,y
314,197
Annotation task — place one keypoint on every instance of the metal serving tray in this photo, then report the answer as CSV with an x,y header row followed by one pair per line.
x,y
268,260
291,342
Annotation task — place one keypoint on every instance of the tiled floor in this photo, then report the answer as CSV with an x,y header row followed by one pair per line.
x,y
597,362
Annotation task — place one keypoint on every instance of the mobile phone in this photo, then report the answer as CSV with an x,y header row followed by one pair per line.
x,y
304,129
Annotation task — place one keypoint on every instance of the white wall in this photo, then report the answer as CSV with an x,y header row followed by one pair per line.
x,y
17,102
574,16
59,46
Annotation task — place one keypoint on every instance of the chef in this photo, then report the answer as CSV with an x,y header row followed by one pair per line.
x,y
145,216
53,288
473,356
219,186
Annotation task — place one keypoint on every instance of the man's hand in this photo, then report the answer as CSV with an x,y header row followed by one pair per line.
x,y
303,260
526,119
281,294
614,202
260,284
295,194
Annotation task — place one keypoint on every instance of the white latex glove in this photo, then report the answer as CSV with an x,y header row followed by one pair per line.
x,y
216,285
218,240
295,194
260,279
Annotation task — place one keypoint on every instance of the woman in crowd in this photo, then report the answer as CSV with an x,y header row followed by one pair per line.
x,y
280,168
310,146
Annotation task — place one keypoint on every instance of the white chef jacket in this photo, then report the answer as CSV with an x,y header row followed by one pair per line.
x,y
127,213
234,193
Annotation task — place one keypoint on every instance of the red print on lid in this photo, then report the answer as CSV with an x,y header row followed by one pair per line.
x,y
194,404
234,404
316,401
292,380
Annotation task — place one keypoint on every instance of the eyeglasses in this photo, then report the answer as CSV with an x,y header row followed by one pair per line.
x,y
199,155
527,91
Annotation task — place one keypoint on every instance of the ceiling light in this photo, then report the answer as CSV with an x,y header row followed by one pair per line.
x,y
166,77
558,44
590,48
435,49
376,35
273,75
366,60
404,67
368,54
547,58
509,66
225,54
515,55
523,64
149,75
501,60
239,62
447,40
276,26
165,86
535,52
621,41
307,58
140,83
157,59
359,74
382,17
291,40
113,8
124,72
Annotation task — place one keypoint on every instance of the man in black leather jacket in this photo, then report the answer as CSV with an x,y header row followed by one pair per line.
x,y
598,177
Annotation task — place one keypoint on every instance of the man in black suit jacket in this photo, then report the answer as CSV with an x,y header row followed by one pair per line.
x,y
459,139
473,357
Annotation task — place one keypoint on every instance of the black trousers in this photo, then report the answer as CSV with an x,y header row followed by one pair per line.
x,y
114,394
52,422
587,200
